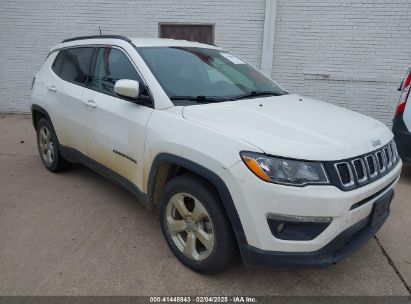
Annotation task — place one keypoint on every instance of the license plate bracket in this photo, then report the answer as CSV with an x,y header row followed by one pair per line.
x,y
381,207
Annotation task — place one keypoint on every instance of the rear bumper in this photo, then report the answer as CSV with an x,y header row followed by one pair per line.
x,y
346,243
402,138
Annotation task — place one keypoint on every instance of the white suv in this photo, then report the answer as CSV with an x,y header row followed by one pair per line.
x,y
228,157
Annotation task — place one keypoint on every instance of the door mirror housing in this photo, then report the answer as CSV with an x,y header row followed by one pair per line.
x,y
127,88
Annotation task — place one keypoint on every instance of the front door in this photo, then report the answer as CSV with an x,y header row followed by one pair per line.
x,y
116,127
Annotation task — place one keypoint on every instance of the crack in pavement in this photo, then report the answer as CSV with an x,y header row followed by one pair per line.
x,y
392,264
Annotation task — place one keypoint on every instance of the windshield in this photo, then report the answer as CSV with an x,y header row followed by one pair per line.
x,y
190,74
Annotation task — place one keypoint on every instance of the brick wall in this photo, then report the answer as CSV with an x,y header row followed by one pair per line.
x,y
349,52
30,28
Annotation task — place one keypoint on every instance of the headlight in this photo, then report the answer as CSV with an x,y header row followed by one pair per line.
x,y
285,171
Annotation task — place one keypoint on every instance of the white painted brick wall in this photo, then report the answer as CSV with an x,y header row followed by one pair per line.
x,y
29,28
363,46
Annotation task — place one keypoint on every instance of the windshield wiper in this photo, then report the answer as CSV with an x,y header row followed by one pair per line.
x,y
256,94
199,99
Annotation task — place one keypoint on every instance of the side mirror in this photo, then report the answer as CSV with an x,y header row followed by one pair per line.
x,y
127,88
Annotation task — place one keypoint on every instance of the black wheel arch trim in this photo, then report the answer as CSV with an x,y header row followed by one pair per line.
x,y
37,108
211,177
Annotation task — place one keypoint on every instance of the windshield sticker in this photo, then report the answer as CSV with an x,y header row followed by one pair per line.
x,y
232,58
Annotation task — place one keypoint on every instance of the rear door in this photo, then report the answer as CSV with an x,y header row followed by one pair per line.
x,y
66,88
116,126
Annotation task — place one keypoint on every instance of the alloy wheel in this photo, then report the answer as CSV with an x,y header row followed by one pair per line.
x,y
190,226
46,145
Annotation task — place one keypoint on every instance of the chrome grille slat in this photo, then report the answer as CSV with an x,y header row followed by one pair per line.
x,y
372,170
380,160
387,157
346,181
360,170
394,151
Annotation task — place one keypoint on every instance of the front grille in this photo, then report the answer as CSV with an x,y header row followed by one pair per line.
x,y
366,168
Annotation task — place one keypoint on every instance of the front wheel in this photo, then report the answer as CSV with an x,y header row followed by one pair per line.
x,y
195,225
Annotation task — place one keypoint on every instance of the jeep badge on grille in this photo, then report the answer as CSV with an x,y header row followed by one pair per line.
x,y
376,143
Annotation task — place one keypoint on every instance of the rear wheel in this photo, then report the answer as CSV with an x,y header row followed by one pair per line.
x,y
195,225
48,147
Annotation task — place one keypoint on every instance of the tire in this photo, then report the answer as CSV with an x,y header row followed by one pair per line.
x,y
47,145
202,225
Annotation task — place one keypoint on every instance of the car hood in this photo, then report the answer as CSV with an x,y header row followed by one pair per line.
x,y
294,126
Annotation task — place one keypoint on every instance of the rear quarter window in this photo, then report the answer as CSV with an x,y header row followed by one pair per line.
x,y
73,64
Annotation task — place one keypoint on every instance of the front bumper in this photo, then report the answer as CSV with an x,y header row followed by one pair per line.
x,y
255,200
346,243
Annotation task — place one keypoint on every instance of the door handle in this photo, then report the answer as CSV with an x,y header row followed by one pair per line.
x,y
90,103
52,88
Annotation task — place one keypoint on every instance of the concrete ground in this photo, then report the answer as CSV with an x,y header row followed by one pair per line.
x,y
75,233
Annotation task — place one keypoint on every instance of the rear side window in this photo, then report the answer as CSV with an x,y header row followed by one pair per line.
x,y
73,64
111,65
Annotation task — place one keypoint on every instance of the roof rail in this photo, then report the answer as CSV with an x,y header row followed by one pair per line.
x,y
97,37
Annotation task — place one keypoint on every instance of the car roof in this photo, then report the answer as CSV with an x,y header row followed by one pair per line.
x,y
147,42
138,42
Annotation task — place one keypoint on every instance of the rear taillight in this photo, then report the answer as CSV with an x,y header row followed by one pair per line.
x,y
407,80
405,93
400,108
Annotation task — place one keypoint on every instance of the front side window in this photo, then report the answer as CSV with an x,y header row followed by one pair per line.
x,y
111,65
73,64
205,75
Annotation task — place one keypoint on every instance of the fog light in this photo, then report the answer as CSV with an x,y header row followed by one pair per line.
x,y
280,227
297,228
